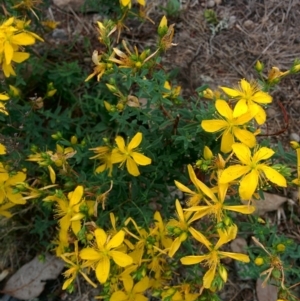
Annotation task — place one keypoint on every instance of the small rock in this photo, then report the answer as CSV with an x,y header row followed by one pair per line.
x,y
75,5
60,34
248,24
218,2
239,245
231,21
295,137
210,3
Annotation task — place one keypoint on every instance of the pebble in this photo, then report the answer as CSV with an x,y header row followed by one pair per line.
x,y
294,137
248,24
210,3
60,34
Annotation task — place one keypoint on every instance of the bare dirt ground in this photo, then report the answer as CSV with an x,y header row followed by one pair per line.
x,y
221,55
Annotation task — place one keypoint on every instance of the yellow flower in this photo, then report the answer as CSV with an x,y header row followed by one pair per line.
x,y
104,155
173,92
7,183
68,209
104,249
232,127
101,66
131,60
194,197
249,97
127,154
214,255
181,227
75,267
133,292
217,207
252,170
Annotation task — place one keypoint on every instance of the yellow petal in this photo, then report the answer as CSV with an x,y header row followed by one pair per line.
x,y
244,209
224,109
273,175
174,247
142,2
116,241
248,185
212,126
263,153
193,259
209,276
125,2
135,141
163,22
183,188
226,142
76,196
101,238
132,167
102,270
120,143
240,108
2,149
179,210
140,159
19,57
117,157
90,254
142,285
233,172
262,97
3,97
22,39
76,226
118,296
52,174
242,152
207,153
231,92
200,237
245,136
120,258
8,52
236,256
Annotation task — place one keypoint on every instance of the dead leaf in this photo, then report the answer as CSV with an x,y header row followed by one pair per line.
x,y
267,293
29,281
271,202
3,274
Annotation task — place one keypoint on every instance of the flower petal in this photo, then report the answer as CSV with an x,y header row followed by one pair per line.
x,y
102,270
209,276
140,159
142,285
240,108
236,256
90,254
135,141
118,296
226,142
263,153
116,240
101,238
233,172
200,237
224,109
132,167
273,175
244,209
244,136
193,259
120,143
120,258
76,196
214,125
242,152
183,188
231,92
248,185
261,97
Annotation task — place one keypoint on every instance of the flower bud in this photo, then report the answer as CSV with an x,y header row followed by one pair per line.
x,y
259,261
